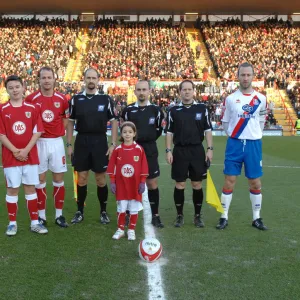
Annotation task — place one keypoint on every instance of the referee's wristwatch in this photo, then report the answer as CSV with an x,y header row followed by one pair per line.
x,y
68,145
210,148
114,144
168,150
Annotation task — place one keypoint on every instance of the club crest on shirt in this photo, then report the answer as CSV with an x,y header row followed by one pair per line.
x,y
136,158
100,107
127,170
255,102
151,121
28,114
57,104
198,116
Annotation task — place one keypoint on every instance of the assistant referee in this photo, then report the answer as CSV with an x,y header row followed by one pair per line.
x,y
187,124
90,111
147,118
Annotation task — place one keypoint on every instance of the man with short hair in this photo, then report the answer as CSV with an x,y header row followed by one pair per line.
x,y
20,127
187,125
54,110
90,112
147,118
243,121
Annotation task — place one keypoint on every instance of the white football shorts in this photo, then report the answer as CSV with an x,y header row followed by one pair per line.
x,y
15,176
133,206
52,155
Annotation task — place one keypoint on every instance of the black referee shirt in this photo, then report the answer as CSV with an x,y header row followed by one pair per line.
x,y
147,120
91,113
188,123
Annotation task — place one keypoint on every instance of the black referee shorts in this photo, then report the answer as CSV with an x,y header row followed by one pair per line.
x,y
90,153
189,162
151,152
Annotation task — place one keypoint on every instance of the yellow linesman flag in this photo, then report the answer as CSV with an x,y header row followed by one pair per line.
x,y
212,197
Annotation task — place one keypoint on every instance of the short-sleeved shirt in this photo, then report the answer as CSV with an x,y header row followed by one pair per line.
x,y
91,113
147,120
188,124
53,110
18,124
243,113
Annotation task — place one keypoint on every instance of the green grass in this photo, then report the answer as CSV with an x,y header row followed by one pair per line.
x,y
83,262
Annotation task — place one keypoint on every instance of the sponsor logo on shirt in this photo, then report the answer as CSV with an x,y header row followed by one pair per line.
x,y
8,116
100,107
237,101
57,104
48,116
80,99
246,116
28,114
151,121
127,171
133,111
136,158
198,116
19,127
247,108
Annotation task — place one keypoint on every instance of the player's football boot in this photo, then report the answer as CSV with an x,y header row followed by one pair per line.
x,y
42,221
198,221
39,228
258,223
156,222
222,223
11,230
179,221
131,235
78,217
104,218
61,222
119,234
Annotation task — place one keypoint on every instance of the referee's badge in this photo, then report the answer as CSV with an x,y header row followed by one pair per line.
x,y
198,116
57,104
100,107
28,114
151,121
136,158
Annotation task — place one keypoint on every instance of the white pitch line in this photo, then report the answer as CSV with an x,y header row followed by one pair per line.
x,y
155,284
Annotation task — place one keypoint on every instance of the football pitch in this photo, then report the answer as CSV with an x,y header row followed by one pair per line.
x,y
83,262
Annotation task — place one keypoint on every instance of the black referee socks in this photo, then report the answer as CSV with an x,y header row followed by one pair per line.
x,y
153,196
198,200
102,193
81,196
179,200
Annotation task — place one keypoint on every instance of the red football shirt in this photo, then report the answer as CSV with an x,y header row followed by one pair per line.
x,y
128,167
53,110
19,124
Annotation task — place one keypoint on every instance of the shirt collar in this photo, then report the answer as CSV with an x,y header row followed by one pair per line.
x,y
137,104
84,93
180,104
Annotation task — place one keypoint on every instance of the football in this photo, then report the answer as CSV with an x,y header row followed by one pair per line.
x,y
150,249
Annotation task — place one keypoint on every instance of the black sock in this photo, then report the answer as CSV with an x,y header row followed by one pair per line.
x,y
102,193
198,200
81,196
179,200
153,196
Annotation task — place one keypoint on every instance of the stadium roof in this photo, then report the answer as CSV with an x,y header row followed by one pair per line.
x,y
151,7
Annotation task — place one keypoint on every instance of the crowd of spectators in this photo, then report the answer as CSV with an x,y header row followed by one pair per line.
x,y
27,45
272,47
141,50
293,92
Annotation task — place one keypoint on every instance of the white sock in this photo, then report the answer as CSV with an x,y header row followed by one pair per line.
x,y
58,213
256,199
226,198
34,222
42,214
12,223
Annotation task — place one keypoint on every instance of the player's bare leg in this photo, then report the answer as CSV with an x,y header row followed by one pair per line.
x,y
153,196
102,193
198,201
256,200
226,198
